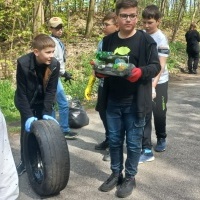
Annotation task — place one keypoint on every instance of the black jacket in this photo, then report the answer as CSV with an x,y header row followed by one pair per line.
x,y
148,62
192,38
28,85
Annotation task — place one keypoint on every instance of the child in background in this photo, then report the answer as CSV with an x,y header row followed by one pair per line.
x,y
56,28
151,17
109,25
192,38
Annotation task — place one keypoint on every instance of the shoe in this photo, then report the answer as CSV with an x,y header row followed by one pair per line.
x,y
161,145
102,146
70,135
146,156
106,157
20,168
114,180
194,71
126,188
190,72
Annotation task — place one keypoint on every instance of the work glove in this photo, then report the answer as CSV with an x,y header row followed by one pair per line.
x,y
153,93
67,76
29,122
47,117
136,73
88,89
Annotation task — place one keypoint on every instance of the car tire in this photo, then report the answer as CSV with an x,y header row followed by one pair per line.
x,y
46,158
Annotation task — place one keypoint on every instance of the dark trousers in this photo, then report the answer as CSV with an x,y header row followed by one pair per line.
x,y
193,60
102,114
102,111
37,112
159,113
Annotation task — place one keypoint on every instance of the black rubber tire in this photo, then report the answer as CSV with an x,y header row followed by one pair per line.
x,y
46,157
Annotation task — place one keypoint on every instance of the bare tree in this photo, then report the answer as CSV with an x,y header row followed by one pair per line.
x,y
178,21
90,19
38,17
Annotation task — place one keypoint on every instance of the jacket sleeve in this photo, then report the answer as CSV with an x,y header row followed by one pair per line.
x,y
152,68
21,99
51,88
58,54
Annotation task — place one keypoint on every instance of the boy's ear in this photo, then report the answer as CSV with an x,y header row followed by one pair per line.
x,y
36,52
159,20
117,27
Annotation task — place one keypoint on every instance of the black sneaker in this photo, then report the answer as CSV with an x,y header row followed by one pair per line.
x,y
161,145
194,71
190,72
114,180
70,135
20,168
102,146
126,188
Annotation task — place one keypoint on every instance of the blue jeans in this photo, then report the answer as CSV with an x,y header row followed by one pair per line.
x,y
123,116
63,107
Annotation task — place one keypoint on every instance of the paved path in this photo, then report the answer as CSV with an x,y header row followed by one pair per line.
x,y
175,173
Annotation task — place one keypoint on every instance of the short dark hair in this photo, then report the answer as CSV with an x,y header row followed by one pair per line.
x,y
151,11
125,4
109,16
42,41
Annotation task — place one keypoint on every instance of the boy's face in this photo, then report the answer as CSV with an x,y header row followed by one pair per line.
x,y
127,19
109,26
57,32
44,56
150,25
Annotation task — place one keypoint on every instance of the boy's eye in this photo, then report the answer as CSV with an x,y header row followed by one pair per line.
x,y
106,24
125,16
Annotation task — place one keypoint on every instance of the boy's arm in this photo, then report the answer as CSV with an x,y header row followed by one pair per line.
x,y
58,54
153,67
163,61
51,88
21,100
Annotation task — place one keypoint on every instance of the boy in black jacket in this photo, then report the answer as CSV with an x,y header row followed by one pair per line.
x,y
37,79
128,99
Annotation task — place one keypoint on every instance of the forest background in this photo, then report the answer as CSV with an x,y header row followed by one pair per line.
x,y
21,20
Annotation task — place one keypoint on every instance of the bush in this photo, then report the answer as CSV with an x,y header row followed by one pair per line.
x,y
177,55
7,100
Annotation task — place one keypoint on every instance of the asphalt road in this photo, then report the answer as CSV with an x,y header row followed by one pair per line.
x,y
173,175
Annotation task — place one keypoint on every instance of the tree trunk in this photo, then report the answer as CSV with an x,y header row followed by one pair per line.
x,y
180,16
90,17
38,17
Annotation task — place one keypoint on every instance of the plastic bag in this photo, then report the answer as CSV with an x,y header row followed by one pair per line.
x,y
109,64
77,114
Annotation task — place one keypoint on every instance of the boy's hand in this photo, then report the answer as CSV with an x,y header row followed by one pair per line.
x,y
47,117
153,93
136,73
28,123
67,76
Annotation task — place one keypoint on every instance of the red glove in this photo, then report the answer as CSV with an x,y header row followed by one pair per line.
x,y
100,75
136,73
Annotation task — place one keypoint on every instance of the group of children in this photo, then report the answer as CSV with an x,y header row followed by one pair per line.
x,y
124,104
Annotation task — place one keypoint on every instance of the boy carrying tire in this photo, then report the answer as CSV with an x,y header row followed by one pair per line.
x,y
37,78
